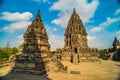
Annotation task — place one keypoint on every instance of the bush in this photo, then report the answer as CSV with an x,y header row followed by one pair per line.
x,y
5,53
103,53
3,56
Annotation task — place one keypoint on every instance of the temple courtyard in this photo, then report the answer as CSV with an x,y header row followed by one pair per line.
x,y
103,70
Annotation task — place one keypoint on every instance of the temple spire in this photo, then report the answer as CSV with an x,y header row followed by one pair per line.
x,y
38,16
74,11
116,41
115,38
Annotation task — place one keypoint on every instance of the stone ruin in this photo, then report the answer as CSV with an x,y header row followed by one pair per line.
x,y
76,49
114,53
35,58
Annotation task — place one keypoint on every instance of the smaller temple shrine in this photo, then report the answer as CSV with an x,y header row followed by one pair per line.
x,y
114,53
116,44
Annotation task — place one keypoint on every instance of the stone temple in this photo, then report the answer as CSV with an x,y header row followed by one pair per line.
x,y
116,44
76,48
114,53
35,58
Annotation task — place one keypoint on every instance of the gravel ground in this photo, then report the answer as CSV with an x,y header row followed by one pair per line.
x,y
106,70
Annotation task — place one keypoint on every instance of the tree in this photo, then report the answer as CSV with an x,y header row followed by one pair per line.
x,y
14,50
6,52
53,53
104,53
3,56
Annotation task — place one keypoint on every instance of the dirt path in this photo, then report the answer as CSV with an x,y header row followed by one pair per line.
x,y
5,70
106,70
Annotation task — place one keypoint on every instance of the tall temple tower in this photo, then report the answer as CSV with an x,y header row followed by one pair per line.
x,y
75,34
76,48
35,58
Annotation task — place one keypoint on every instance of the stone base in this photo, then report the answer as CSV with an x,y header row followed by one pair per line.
x,y
16,76
37,65
29,72
75,59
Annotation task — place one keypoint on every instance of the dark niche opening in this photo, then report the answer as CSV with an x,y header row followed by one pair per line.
x,y
76,51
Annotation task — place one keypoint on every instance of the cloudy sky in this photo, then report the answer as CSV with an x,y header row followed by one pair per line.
x,y
101,19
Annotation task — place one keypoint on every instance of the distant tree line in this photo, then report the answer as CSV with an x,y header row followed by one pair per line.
x,y
7,52
52,53
103,53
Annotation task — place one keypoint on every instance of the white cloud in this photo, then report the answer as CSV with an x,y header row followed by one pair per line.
x,y
118,34
20,21
51,29
16,26
108,22
16,16
91,42
101,40
104,38
55,29
85,10
56,41
117,11
90,38
96,29
20,39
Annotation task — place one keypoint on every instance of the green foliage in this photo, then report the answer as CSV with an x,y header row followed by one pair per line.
x,y
52,53
14,50
21,46
5,53
104,53
3,56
